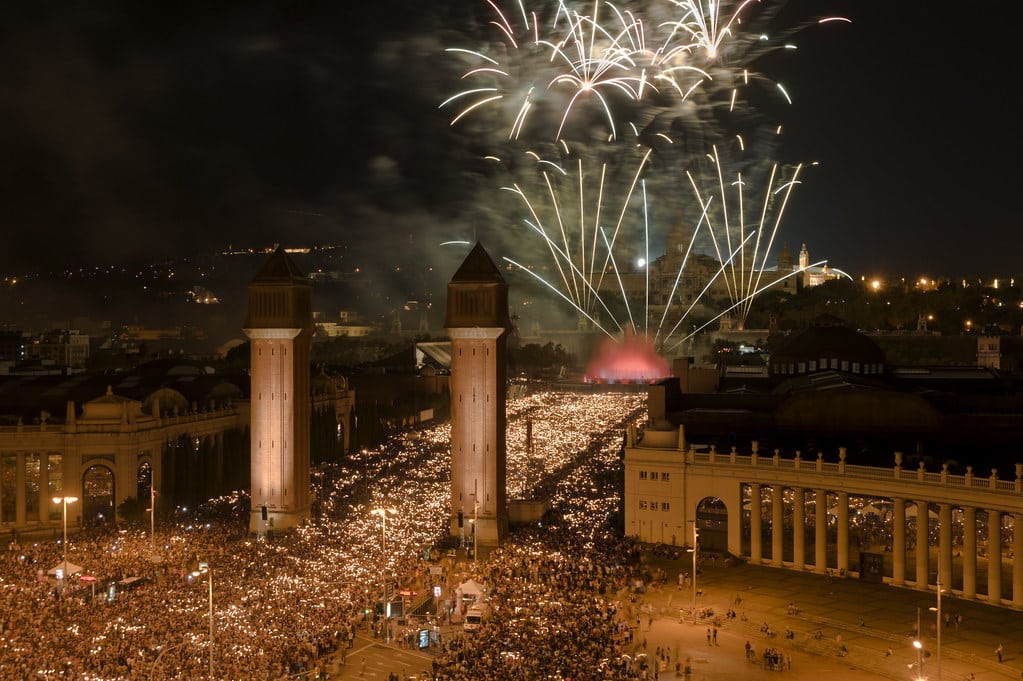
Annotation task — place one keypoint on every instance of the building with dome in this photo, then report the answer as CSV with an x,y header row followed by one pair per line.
x,y
825,347
829,385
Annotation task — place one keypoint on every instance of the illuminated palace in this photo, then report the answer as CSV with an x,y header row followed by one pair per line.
x,y
703,284
180,428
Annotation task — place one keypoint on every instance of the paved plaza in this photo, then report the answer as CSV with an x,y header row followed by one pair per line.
x,y
829,613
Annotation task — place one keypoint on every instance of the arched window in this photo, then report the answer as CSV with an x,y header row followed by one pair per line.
x,y
98,495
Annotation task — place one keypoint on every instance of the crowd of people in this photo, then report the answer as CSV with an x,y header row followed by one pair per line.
x,y
562,609
70,629
281,605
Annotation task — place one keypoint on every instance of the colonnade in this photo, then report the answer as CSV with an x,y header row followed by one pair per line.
x,y
972,532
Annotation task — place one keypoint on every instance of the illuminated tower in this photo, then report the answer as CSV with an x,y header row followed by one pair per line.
x,y
804,263
280,326
478,324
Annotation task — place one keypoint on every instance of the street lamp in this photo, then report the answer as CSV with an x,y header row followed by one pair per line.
x,y
475,518
382,512
693,550
205,567
152,517
64,501
937,612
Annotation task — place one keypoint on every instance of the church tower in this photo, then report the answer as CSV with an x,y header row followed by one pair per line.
x,y
280,326
478,324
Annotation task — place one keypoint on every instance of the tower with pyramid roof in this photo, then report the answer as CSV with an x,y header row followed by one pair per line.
x,y
280,327
478,324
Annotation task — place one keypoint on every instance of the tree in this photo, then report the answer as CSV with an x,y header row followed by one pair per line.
x,y
132,510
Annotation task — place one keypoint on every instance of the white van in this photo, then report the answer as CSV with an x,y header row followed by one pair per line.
x,y
476,616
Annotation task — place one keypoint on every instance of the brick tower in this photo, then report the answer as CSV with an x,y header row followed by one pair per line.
x,y
478,324
280,326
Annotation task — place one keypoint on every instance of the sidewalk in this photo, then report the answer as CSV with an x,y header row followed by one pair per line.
x,y
834,606
868,618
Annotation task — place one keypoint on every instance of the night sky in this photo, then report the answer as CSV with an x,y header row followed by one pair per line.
x,y
137,130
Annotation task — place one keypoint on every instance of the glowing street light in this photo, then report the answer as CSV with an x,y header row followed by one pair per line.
x,y
382,512
64,501
152,519
205,567
937,612
694,551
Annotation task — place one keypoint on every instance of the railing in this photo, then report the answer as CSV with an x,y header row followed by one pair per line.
x,y
35,428
176,420
918,475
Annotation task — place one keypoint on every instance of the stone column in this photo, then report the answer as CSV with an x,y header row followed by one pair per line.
x,y
1017,559
798,529
756,552
19,490
820,548
898,541
969,552
945,545
843,531
922,546
994,556
777,525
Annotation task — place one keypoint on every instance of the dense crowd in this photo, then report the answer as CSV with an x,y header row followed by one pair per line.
x,y
563,609
280,605
76,631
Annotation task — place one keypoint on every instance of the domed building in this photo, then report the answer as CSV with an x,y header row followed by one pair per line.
x,y
827,346
829,385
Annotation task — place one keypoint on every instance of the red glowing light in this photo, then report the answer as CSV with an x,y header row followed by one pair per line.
x,y
632,360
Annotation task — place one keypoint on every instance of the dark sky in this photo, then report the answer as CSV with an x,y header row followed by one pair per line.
x,y
137,129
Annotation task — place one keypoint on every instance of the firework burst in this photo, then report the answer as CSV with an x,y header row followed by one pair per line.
x,y
658,72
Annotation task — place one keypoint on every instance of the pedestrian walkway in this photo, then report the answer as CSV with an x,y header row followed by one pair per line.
x,y
824,614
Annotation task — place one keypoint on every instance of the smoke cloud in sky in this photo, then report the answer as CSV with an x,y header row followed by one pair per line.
x,y
134,130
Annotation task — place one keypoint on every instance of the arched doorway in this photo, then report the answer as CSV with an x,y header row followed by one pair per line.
x,y
98,496
712,521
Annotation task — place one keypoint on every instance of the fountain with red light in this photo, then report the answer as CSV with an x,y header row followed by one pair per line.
x,y
629,360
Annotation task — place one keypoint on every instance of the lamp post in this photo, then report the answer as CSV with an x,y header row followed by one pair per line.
x,y
382,512
696,536
205,567
152,517
475,518
64,501
475,528
937,612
